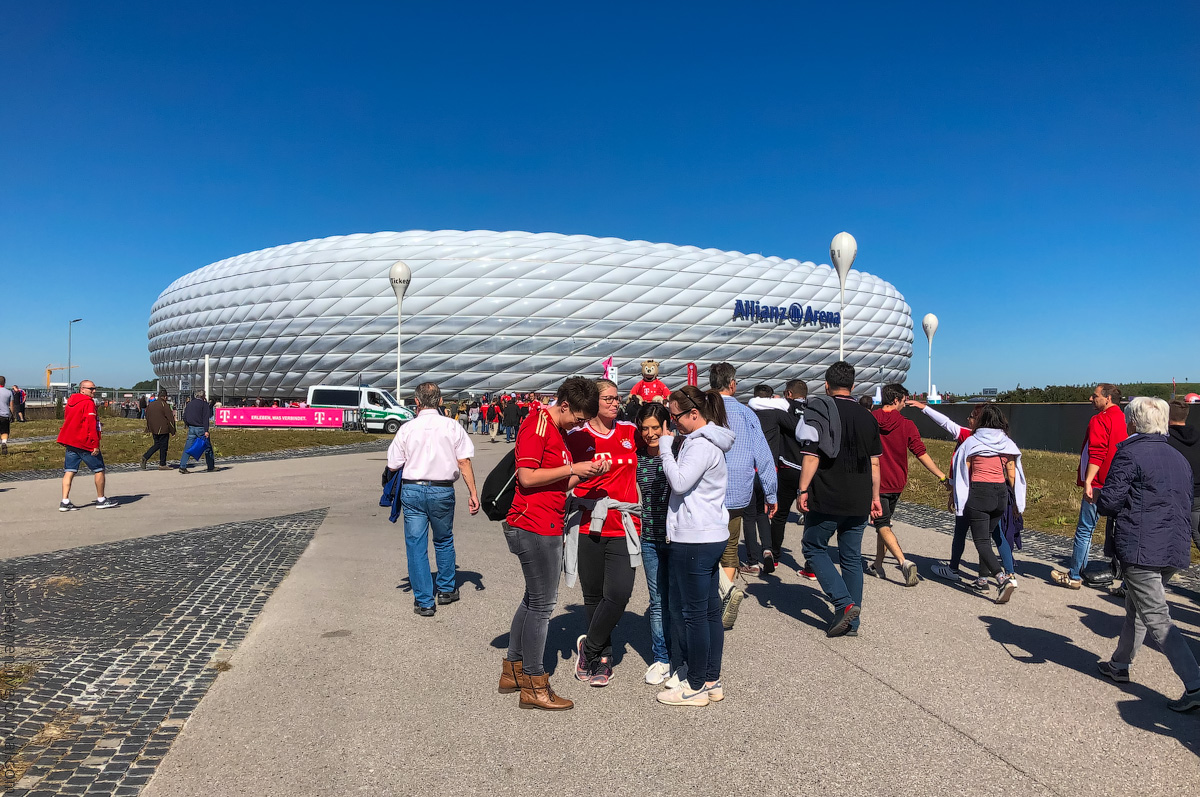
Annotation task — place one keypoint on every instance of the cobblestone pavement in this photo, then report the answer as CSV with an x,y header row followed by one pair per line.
x,y
127,637
1036,544
268,456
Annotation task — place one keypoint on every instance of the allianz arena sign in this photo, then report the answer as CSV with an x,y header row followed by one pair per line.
x,y
521,311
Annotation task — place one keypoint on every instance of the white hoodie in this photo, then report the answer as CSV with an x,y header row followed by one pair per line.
x,y
696,511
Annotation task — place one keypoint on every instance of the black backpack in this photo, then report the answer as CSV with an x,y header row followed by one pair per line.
x,y
500,487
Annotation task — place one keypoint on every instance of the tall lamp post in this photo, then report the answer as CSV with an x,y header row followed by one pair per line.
x,y
70,327
930,324
401,276
842,252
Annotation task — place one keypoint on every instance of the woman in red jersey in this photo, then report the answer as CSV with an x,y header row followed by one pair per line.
x,y
605,520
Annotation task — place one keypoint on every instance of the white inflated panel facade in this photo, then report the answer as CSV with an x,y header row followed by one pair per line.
x,y
513,311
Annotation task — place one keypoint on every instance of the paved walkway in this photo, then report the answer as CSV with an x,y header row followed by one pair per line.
x,y
335,686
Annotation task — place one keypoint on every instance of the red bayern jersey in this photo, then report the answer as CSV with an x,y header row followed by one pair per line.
x,y
540,444
620,483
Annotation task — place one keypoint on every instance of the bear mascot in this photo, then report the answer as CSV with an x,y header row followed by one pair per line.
x,y
651,388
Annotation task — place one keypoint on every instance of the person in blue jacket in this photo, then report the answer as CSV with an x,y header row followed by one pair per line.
x,y
1148,493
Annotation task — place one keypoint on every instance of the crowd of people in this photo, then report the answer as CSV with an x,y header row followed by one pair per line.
x,y
602,486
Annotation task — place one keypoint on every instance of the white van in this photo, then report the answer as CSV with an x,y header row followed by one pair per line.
x,y
379,411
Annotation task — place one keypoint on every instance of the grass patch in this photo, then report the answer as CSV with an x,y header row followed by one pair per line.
x,y
1052,499
221,666
14,675
227,442
56,582
41,428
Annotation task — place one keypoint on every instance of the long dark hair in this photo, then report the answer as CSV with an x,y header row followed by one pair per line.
x,y
710,403
990,417
652,410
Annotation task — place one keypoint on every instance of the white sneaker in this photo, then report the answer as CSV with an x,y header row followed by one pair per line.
x,y
657,672
677,678
684,696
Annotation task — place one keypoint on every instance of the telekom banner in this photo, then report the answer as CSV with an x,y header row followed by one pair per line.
x,y
295,417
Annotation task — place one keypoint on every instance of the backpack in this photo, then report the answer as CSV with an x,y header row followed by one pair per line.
x,y
500,487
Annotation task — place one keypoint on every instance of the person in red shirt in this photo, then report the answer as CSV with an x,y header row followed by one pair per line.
x,y
899,436
1105,430
80,435
534,532
608,547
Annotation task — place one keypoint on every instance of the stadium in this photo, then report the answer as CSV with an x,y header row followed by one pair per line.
x,y
515,311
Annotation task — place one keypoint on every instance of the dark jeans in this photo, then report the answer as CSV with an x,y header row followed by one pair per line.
x,y
986,503
541,561
789,489
845,587
756,526
694,580
606,579
160,445
662,632
959,543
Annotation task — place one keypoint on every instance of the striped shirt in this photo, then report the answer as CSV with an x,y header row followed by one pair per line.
x,y
652,484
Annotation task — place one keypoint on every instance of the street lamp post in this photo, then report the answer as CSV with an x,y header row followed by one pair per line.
x,y
70,327
842,252
401,276
930,325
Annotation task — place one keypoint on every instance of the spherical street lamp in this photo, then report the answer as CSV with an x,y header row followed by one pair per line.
x,y
930,325
842,252
401,276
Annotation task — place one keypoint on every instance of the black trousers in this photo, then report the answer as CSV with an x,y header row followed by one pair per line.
x,y
160,445
756,526
606,578
986,503
789,490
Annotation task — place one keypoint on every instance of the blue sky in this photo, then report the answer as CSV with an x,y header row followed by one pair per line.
x,y
1027,171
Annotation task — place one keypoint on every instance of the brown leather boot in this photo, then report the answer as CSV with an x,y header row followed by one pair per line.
x,y
510,672
536,693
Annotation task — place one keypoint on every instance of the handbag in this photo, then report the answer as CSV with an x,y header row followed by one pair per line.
x,y
197,448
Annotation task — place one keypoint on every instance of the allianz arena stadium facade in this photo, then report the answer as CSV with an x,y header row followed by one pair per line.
x,y
489,311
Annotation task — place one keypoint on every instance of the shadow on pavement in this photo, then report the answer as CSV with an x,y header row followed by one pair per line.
x,y
798,601
128,499
565,627
1148,712
463,577
1040,646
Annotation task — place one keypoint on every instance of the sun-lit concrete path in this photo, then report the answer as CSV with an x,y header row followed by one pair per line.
x,y
334,686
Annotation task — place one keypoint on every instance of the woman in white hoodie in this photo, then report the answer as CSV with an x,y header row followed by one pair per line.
x,y
986,466
697,532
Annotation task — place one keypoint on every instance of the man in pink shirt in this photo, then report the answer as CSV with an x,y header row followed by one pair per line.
x,y
433,450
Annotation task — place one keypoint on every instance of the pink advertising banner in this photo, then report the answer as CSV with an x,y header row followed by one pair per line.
x,y
294,417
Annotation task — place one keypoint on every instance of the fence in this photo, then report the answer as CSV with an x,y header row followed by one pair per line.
x,y
1045,427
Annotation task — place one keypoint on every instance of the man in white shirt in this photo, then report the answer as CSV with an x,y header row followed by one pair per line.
x,y
433,450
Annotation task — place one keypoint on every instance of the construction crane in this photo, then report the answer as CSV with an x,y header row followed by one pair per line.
x,y
50,369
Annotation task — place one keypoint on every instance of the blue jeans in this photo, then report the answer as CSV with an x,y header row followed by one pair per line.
x,y
426,507
846,587
694,580
195,432
510,433
1088,515
657,566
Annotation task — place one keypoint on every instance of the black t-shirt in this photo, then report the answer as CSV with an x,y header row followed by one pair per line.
x,y
842,485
